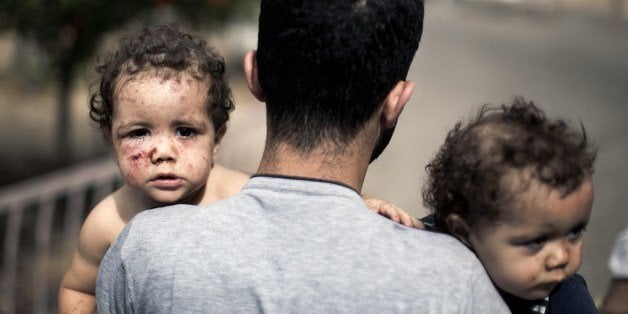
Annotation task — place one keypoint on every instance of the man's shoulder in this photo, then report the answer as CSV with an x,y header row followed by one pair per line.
x,y
172,214
438,249
183,218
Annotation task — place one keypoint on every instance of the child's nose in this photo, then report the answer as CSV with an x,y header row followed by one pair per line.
x,y
559,256
164,150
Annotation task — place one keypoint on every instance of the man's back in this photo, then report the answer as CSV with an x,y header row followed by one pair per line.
x,y
290,245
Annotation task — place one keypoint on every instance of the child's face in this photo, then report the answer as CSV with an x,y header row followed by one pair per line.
x,y
163,138
537,244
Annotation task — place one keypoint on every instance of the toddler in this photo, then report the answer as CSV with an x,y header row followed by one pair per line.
x,y
163,104
516,188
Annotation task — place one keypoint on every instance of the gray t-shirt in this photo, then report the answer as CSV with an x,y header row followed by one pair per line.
x,y
288,245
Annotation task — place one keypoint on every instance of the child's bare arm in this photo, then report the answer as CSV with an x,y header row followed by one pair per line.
x,y
392,212
76,293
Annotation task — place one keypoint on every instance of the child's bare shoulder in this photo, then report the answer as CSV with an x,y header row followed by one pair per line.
x,y
225,182
230,175
109,216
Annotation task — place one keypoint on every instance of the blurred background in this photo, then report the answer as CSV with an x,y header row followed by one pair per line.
x,y
569,56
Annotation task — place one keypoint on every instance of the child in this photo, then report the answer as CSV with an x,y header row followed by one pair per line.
x,y
163,105
516,188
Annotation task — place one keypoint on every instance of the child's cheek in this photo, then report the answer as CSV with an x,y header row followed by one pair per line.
x,y
197,157
134,162
201,164
519,272
575,259
532,275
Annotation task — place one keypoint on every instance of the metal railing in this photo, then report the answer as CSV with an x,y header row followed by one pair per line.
x,y
40,219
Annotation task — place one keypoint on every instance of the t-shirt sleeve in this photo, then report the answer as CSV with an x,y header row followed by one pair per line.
x,y
485,297
618,261
112,294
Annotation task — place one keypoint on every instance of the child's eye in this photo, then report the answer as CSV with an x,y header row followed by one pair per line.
x,y
576,233
536,244
139,133
185,132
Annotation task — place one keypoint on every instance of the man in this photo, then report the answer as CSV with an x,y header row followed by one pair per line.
x,y
298,238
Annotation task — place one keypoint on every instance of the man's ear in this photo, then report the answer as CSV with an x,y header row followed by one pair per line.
x,y
250,71
459,228
396,100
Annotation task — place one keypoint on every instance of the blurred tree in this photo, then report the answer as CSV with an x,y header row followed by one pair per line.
x,y
69,32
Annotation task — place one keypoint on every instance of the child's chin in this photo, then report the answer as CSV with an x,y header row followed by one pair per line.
x,y
165,200
539,292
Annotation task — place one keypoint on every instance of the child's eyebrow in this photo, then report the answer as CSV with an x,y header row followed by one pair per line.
x,y
192,121
581,224
528,236
546,230
133,123
555,232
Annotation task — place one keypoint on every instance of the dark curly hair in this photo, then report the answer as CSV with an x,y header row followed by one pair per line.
x,y
162,47
483,166
326,66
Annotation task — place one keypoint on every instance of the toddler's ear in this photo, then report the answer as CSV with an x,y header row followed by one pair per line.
x,y
108,137
459,228
218,138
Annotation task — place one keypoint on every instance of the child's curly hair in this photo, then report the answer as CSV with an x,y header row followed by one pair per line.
x,y
480,168
170,51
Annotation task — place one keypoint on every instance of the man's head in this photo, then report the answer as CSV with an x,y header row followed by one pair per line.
x,y
325,67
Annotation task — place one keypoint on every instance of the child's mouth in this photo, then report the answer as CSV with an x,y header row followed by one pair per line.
x,y
168,182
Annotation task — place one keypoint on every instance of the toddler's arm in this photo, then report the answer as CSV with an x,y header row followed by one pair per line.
x,y
392,212
76,293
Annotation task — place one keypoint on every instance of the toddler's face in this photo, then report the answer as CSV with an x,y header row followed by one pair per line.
x,y
162,136
538,244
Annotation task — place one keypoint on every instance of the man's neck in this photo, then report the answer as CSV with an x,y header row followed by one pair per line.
x,y
347,167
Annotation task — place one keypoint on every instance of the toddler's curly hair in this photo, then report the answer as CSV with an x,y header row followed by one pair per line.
x,y
169,51
484,165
